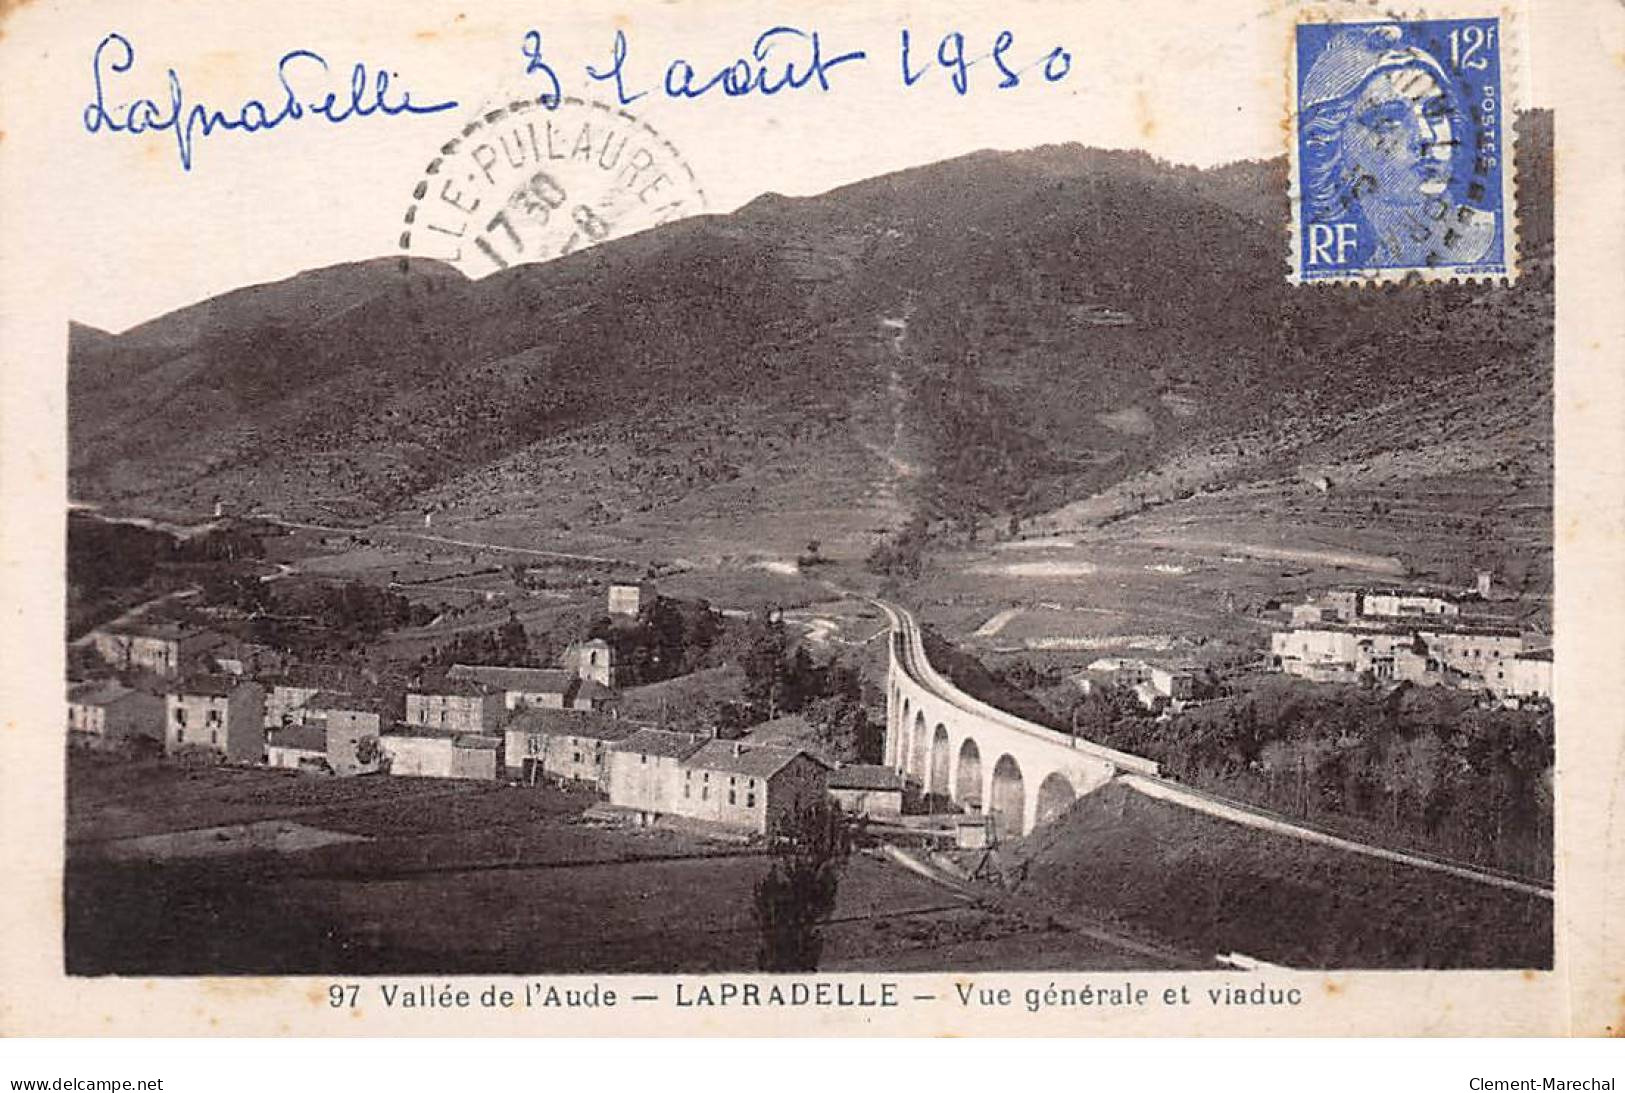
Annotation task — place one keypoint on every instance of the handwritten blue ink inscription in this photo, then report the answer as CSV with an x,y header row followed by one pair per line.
x,y
304,78
789,58
1401,158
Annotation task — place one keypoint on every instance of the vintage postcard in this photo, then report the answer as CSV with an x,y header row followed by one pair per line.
x,y
1061,518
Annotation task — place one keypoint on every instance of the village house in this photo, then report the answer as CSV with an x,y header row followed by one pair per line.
x,y
287,694
1337,655
866,790
628,598
1153,685
1337,605
748,787
644,771
455,705
297,746
1528,675
222,714
728,783
1119,671
1351,605
107,714
1400,658
162,648
354,726
1398,604
245,658
1473,654
563,745
412,751
538,688
1148,698
1467,658
1176,684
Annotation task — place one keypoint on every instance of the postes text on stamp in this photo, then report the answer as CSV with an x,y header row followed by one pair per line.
x,y
1401,142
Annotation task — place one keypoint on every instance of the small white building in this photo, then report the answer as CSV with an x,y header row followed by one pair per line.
x,y
1528,675
413,752
866,790
1402,604
302,746
628,598
107,714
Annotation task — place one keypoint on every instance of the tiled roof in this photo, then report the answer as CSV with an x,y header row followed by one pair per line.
x,y
311,736
456,738
589,724
592,689
444,685
737,757
157,628
333,700
863,776
215,685
98,692
534,680
671,745
319,677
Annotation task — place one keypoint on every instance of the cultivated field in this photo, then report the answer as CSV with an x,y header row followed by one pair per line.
x,y
459,877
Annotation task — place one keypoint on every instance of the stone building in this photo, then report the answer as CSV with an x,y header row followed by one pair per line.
x,y
628,598
455,705
644,771
538,688
414,752
1528,675
107,714
288,693
163,648
222,714
1399,604
748,787
355,724
733,785
865,790
301,746
563,745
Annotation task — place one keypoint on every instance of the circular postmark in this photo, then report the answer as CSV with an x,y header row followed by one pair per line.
x,y
526,183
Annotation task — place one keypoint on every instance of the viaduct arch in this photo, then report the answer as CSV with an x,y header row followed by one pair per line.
x,y
983,759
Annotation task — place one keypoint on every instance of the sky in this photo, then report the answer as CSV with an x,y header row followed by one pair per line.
x,y
1192,83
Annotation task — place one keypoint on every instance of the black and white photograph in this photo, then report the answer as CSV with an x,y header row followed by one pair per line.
x,y
902,498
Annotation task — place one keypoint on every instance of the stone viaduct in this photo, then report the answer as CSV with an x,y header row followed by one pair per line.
x,y
982,758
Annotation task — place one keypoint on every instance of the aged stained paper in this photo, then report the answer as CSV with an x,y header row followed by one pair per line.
x,y
483,482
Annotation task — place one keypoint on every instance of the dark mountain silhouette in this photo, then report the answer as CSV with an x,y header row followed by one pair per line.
x,y
1019,329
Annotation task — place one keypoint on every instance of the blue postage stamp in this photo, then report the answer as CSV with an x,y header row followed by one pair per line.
x,y
1402,151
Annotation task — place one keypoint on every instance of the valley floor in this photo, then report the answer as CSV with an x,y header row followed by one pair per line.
x,y
461,878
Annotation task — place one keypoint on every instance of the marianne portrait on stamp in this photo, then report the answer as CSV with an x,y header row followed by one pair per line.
x,y
1381,139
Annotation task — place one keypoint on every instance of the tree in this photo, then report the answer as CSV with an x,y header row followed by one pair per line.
x,y
797,894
